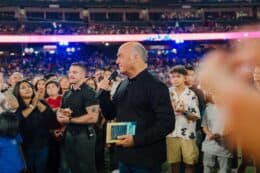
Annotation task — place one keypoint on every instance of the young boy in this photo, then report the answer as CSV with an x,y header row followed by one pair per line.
x,y
181,145
216,154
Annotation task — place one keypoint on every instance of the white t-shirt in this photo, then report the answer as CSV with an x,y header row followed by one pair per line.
x,y
114,87
185,128
214,120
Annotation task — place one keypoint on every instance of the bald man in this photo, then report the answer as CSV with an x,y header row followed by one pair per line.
x,y
145,100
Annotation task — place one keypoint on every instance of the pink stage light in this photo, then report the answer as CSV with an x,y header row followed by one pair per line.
x,y
125,38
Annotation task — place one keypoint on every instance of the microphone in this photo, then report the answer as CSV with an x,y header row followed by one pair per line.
x,y
112,77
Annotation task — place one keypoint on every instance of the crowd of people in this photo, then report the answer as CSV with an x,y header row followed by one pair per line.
x,y
61,29
31,65
57,121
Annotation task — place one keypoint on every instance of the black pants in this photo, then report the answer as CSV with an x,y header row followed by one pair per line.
x,y
78,155
54,156
100,150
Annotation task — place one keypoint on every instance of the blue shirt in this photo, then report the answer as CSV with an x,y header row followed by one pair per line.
x,y
10,155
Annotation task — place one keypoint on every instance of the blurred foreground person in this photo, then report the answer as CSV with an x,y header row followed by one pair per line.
x,y
240,100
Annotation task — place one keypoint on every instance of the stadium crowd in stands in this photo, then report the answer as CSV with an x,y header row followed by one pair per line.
x,y
60,29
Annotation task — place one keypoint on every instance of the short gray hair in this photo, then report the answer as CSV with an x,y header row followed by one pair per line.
x,y
140,50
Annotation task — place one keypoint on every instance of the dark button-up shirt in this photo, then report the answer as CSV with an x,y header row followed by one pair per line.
x,y
146,101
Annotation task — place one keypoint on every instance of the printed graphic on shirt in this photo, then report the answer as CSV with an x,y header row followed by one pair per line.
x,y
188,101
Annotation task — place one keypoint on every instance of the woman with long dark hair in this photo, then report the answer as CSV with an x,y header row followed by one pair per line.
x,y
34,116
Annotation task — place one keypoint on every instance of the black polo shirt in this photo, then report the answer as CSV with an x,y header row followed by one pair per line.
x,y
78,100
146,101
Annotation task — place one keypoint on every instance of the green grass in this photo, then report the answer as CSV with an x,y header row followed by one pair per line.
x,y
250,170
165,168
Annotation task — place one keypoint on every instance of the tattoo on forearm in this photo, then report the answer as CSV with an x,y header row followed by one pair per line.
x,y
93,109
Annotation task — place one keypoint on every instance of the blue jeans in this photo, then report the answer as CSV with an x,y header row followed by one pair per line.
x,y
123,168
36,159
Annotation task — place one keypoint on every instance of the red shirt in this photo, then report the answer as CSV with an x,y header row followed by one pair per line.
x,y
54,103
57,134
